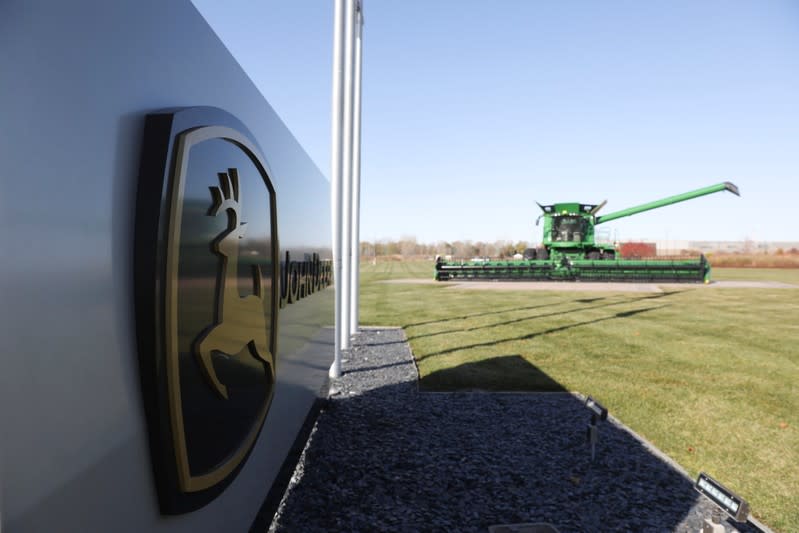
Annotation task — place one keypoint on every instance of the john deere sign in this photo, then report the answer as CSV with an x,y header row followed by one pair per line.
x,y
208,291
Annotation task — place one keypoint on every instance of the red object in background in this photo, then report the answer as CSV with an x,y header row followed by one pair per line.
x,y
632,250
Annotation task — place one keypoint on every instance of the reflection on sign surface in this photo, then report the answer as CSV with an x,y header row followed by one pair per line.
x,y
207,299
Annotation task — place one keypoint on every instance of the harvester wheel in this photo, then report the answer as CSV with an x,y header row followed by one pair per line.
x,y
592,255
542,254
529,253
610,256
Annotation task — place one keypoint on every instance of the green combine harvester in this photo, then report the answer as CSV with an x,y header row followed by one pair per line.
x,y
569,251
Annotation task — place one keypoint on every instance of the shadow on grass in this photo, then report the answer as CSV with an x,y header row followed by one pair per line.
x,y
537,316
532,317
500,373
621,314
475,315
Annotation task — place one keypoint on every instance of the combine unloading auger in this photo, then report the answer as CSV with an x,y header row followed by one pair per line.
x,y
569,251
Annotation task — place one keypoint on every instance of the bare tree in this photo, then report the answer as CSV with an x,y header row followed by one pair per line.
x,y
408,246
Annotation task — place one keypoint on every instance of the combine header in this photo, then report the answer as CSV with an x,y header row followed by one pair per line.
x,y
569,251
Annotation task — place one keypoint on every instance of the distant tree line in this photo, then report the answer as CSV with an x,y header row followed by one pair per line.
x,y
409,247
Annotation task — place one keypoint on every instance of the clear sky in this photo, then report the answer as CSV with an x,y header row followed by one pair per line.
x,y
472,111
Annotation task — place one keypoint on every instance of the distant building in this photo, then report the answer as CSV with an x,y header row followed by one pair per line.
x,y
632,250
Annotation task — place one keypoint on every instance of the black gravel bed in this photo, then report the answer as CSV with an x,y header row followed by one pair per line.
x,y
384,456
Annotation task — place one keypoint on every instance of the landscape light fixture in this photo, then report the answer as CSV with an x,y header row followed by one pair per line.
x,y
596,408
598,414
725,499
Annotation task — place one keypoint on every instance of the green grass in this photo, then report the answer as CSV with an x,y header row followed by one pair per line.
x,y
710,376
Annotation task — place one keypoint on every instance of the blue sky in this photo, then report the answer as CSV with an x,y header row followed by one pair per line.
x,y
472,111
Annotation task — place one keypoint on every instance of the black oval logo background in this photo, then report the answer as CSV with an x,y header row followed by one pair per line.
x,y
216,427
210,268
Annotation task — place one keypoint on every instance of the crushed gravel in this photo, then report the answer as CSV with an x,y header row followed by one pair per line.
x,y
384,456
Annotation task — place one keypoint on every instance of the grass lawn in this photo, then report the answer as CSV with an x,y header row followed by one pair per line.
x,y
709,375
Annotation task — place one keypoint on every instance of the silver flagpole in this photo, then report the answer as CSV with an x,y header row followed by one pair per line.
x,y
349,49
335,174
356,176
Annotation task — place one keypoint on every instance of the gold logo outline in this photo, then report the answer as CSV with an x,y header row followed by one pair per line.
x,y
185,141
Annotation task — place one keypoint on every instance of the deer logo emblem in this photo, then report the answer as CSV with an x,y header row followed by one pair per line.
x,y
239,321
207,300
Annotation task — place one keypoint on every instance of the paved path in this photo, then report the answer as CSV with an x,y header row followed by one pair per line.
x,y
590,286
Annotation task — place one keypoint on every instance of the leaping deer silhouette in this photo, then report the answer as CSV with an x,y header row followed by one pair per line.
x,y
238,322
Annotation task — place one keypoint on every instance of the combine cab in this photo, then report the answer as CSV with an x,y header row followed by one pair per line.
x,y
569,251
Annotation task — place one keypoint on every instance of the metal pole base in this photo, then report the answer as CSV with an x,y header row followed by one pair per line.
x,y
335,370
